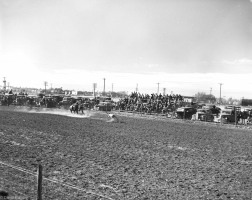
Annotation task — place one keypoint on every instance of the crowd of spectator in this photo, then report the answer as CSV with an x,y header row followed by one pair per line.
x,y
150,103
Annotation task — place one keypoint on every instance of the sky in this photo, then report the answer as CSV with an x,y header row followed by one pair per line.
x,y
185,46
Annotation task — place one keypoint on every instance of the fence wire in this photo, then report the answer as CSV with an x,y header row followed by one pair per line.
x,y
21,184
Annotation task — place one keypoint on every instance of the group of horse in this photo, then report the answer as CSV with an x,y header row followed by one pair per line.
x,y
245,117
77,107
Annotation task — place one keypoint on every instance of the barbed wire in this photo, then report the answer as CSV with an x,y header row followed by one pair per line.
x,y
56,181
19,168
79,189
24,178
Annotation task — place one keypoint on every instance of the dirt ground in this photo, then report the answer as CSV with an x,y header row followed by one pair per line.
x,y
137,158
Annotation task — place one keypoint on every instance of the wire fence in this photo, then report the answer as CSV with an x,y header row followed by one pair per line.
x,y
23,184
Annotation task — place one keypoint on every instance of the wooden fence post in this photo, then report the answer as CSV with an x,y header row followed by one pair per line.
x,y
235,117
39,182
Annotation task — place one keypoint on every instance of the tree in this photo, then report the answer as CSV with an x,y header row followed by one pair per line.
x,y
205,98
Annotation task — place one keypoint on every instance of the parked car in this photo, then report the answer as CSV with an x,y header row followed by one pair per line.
x,y
185,112
207,113
227,115
204,115
66,102
104,106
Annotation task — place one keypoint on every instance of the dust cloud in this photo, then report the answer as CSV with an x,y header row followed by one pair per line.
x,y
54,111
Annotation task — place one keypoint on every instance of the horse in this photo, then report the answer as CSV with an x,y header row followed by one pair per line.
x,y
81,108
74,108
244,116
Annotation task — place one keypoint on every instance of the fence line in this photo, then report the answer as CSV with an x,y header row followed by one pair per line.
x,y
19,168
76,188
48,180
20,176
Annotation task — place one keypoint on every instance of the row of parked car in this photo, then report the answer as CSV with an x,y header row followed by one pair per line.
x,y
212,113
203,112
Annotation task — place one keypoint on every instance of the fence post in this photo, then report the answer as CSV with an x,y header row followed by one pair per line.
x,y
39,182
235,117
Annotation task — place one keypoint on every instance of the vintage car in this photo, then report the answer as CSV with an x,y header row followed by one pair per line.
x,y
103,106
185,112
7,99
249,110
66,102
205,115
57,98
20,100
226,115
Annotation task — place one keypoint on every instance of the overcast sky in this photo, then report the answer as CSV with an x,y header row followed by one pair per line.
x,y
185,45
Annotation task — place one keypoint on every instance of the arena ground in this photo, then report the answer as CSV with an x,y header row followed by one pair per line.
x,y
138,158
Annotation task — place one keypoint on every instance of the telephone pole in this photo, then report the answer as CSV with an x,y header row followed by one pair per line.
x,y
104,86
210,91
112,86
45,83
158,88
4,82
94,87
137,87
164,91
220,91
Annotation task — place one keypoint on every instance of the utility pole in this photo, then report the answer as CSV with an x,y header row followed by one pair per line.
x,y
94,87
137,87
210,91
164,91
112,86
220,91
4,87
104,86
158,88
45,83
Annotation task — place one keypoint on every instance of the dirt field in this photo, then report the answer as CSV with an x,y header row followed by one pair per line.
x,y
136,159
